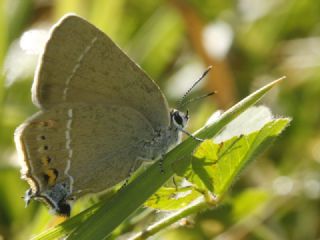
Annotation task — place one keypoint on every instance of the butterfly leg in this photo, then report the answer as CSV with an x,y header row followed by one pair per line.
x,y
161,164
175,183
131,171
190,135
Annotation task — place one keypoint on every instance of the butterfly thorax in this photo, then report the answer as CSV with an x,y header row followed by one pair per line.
x,y
165,138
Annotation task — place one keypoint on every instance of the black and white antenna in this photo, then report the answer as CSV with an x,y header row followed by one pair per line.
x,y
183,100
186,102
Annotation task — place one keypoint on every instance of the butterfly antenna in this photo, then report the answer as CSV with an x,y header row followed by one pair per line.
x,y
181,102
197,98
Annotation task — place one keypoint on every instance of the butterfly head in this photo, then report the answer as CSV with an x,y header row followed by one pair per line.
x,y
179,119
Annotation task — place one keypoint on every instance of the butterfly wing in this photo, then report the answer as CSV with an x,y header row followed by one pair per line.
x,y
81,64
88,147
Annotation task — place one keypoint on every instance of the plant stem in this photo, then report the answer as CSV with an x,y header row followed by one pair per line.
x,y
174,217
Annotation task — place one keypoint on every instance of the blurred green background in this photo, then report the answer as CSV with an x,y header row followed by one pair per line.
x,y
248,42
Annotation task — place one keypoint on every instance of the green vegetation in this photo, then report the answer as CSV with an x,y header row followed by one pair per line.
x,y
208,190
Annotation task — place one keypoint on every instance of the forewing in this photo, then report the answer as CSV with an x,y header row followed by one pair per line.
x,y
81,64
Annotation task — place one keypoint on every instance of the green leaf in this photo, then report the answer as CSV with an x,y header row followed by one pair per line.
x,y
216,166
113,212
167,199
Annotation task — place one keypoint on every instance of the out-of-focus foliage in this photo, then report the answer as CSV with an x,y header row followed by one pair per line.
x,y
248,42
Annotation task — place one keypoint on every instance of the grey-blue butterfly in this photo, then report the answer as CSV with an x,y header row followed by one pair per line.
x,y
100,117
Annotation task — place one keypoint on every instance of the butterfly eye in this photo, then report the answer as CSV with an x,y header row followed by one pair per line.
x,y
179,119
